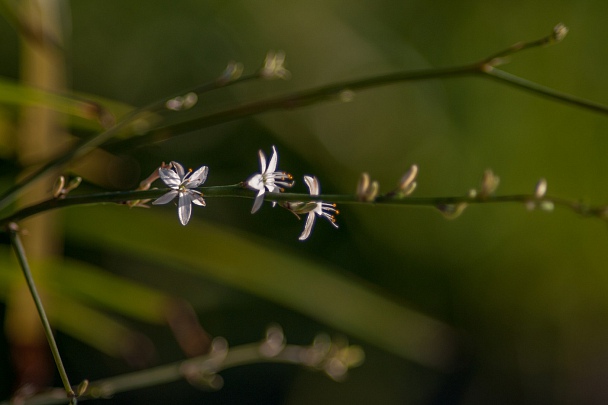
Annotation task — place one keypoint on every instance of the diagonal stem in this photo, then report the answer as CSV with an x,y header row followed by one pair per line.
x,y
88,145
484,68
527,85
20,252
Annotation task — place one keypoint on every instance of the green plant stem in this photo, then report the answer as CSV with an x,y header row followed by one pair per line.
x,y
332,92
204,367
20,252
336,91
238,191
484,68
516,81
88,145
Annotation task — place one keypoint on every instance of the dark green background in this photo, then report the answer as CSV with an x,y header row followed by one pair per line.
x,y
527,290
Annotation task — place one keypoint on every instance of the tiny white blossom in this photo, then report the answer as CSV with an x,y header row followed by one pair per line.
x,y
268,179
183,185
312,208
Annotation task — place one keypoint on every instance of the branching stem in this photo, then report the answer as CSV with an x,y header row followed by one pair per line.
x,y
202,370
483,68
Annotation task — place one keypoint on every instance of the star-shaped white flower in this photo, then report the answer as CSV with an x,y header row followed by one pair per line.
x,y
183,185
321,209
268,179
312,208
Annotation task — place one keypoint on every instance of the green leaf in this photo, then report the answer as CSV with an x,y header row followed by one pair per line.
x,y
77,105
73,317
264,269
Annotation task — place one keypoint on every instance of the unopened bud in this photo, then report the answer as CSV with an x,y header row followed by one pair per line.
x,y
58,186
559,32
274,66
541,189
407,184
82,388
233,71
489,183
367,190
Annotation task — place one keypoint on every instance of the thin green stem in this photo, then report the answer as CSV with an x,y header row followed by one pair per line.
x,y
238,191
344,90
20,252
516,81
202,370
335,92
88,145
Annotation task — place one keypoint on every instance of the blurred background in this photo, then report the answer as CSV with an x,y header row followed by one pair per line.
x,y
501,305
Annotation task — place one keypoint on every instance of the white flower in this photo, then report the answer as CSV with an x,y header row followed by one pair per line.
x,y
312,208
268,179
183,185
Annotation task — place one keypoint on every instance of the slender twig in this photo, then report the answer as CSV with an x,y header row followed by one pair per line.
x,y
88,145
332,92
543,91
202,370
238,191
484,68
20,252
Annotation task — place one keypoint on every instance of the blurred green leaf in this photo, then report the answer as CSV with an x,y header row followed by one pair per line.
x,y
269,271
84,106
81,321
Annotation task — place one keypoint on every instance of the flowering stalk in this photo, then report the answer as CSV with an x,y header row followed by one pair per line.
x,y
333,357
486,67
237,191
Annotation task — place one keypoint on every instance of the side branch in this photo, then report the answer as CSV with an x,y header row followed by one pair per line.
x,y
486,68
334,358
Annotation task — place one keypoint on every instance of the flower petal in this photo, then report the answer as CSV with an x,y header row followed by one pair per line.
x,y
259,199
255,182
199,201
310,220
179,169
262,162
313,185
169,177
164,199
184,208
272,187
198,177
197,198
272,166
